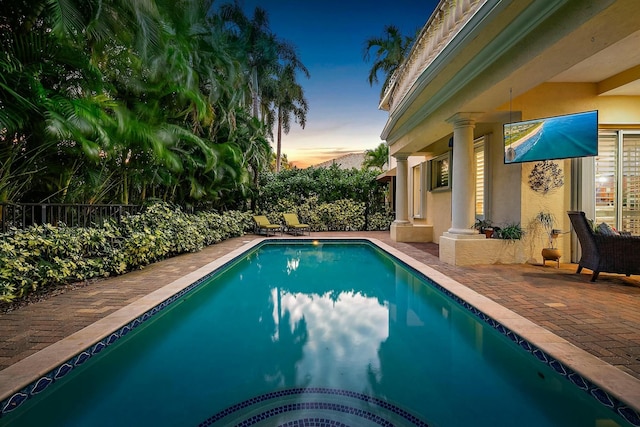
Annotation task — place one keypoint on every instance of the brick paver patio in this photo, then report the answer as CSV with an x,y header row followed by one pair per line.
x,y
602,318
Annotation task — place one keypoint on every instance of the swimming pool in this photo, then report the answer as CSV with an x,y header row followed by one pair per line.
x,y
330,330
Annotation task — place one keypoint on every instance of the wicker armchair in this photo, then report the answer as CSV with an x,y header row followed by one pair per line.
x,y
603,253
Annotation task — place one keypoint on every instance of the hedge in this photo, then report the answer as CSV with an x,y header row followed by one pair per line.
x,y
43,256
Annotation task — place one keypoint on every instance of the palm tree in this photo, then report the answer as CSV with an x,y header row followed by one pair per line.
x,y
52,103
124,99
289,102
377,157
264,51
390,50
254,38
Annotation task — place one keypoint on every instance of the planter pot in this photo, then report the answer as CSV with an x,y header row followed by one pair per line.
x,y
551,254
488,232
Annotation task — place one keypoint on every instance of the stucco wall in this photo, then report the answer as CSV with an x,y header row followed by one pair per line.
x,y
504,181
551,99
556,201
439,212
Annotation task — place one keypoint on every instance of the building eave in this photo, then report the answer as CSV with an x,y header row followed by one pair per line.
x,y
490,52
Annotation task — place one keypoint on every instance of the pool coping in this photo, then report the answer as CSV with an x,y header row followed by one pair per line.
x,y
34,373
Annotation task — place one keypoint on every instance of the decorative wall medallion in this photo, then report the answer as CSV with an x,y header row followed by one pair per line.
x,y
546,176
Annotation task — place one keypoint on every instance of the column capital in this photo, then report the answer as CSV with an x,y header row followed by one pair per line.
x,y
463,119
401,156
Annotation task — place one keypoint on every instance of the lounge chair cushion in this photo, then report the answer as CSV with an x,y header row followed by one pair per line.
x,y
293,223
263,223
606,230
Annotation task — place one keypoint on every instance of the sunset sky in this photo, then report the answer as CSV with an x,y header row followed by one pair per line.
x,y
343,109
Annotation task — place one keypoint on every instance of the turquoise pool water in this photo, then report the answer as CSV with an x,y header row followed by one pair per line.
x,y
338,332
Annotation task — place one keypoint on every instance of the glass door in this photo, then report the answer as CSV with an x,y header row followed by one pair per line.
x,y
630,183
617,174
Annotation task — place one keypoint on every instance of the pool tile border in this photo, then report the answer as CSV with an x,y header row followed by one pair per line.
x,y
537,341
166,295
578,367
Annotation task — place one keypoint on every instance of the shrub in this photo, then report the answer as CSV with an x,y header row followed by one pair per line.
x,y
511,231
380,221
341,215
42,256
325,185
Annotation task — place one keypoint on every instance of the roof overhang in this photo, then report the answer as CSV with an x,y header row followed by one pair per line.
x,y
386,176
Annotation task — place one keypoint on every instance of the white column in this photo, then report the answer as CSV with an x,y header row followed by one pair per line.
x,y
402,191
462,180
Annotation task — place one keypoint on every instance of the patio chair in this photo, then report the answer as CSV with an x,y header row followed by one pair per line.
x,y
293,224
609,253
263,224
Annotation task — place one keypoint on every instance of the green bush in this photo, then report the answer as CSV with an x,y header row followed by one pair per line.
x,y
380,221
325,185
42,256
341,215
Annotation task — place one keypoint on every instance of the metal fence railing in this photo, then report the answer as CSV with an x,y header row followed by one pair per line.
x,y
22,215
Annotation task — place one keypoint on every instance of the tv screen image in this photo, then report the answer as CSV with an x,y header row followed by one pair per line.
x,y
559,137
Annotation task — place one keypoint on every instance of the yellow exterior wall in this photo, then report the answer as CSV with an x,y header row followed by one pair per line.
x,y
552,99
557,202
439,212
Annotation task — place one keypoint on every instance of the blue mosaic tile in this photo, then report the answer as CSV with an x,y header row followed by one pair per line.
x,y
630,415
81,358
112,338
62,371
558,367
602,397
13,402
340,408
525,345
40,385
541,356
578,381
97,348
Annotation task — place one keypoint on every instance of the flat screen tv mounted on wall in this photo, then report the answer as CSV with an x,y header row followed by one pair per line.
x,y
558,137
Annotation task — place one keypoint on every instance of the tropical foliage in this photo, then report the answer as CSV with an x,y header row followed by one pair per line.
x,y
326,198
122,101
389,51
376,158
272,66
42,256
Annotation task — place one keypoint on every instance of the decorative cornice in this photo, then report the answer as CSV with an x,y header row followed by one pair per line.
x,y
516,30
446,21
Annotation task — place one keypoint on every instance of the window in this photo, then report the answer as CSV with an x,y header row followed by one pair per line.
x,y
478,157
440,172
418,190
617,175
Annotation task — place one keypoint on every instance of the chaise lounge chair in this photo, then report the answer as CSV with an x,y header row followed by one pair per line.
x,y
263,224
609,253
293,224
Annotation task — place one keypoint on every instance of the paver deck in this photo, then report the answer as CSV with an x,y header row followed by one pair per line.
x,y
602,318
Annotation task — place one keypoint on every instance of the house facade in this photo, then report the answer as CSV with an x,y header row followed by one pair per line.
x,y
478,65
